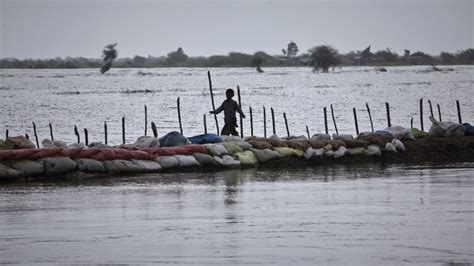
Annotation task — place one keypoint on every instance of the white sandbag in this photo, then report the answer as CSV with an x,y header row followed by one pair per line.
x,y
339,152
186,160
390,147
446,129
309,153
146,142
90,165
230,138
8,173
318,152
398,144
357,151
321,137
53,144
374,150
58,165
400,132
18,142
342,137
274,137
227,161
76,145
205,159
28,167
301,137
147,166
120,166
167,161
216,149
265,155
98,145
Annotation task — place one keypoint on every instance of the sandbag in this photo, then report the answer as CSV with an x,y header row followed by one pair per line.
x,y
48,152
356,143
186,160
400,132
6,155
243,145
28,167
377,139
260,144
446,129
86,153
141,155
206,138
98,145
77,146
336,143
275,142
390,148
18,142
265,155
230,138
341,151
317,144
173,139
468,129
227,161
58,165
123,154
398,145
104,155
342,137
167,161
89,165
205,159
321,137
328,153
309,153
357,151
71,153
374,150
194,148
418,133
289,152
121,166
216,149
301,145
384,133
53,144
24,153
7,173
246,158
146,142
232,147
147,166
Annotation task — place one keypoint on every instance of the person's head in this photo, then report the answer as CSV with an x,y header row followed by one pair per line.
x,y
229,93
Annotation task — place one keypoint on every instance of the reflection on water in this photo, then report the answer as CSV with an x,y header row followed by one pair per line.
x,y
340,215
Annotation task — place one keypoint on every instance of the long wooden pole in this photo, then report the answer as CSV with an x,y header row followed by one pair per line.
x,y
6,134
334,120
51,131
264,122
76,132
241,119
355,121
205,123
179,116
153,128
146,120
431,108
36,135
411,122
86,136
286,125
370,117
307,132
251,121
212,99
439,112
421,115
387,106
273,120
105,132
459,111
326,120
123,129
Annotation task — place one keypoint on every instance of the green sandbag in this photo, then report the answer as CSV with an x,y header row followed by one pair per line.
x,y
289,152
265,155
419,134
357,151
232,147
246,157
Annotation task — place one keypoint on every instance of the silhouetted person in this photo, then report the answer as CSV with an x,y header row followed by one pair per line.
x,y
230,107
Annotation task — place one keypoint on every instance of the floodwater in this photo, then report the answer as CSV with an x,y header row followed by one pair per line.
x,y
85,98
367,215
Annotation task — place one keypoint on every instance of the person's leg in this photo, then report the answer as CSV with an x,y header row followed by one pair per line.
x,y
233,131
225,130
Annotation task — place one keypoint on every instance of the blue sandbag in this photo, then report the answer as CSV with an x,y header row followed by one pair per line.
x,y
384,133
173,139
205,138
468,129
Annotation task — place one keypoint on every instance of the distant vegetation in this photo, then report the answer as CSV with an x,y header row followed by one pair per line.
x,y
321,58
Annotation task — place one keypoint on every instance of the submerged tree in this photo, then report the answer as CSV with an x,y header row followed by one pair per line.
x,y
109,54
323,57
258,58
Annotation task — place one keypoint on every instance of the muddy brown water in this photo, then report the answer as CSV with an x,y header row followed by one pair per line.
x,y
371,214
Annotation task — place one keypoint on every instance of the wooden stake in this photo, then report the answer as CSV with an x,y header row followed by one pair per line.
x,y
27,137
123,129
264,122
307,132
241,119
273,120
6,134
153,128
51,131
370,117
286,125
326,120
212,99
86,136
439,112
431,108
387,106
146,120
205,123
355,121
179,117
105,132
334,120
421,115
411,122
36,135
459,111
76,132
251,121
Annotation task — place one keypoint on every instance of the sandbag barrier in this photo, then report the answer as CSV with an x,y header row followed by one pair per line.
x,y
236,153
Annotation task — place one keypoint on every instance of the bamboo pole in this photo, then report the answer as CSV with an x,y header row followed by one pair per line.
x,y
105,132
273,120
6,134
387,106
459,111
421,115
76,132
264,122
212,99
153,128
251,121
334,120
431,108
355,121
36,135
439,112
86,136
179,117
27,137
123,129
370,117
241,119
205,123
286,125
326,120
411,122
307,132
146,120
51,131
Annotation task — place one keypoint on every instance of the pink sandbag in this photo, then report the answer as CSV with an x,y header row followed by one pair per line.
x,y
104,154
194,148
160,152
49,152
24,153
6,155
123,154
141,155
86,153
71,153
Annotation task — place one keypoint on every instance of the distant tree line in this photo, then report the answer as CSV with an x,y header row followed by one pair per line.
x,y
321,58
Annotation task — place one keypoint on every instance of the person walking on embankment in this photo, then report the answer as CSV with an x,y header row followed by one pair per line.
x,y
230,107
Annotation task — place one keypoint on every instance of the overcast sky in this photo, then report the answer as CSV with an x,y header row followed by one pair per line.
x,y
51,28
